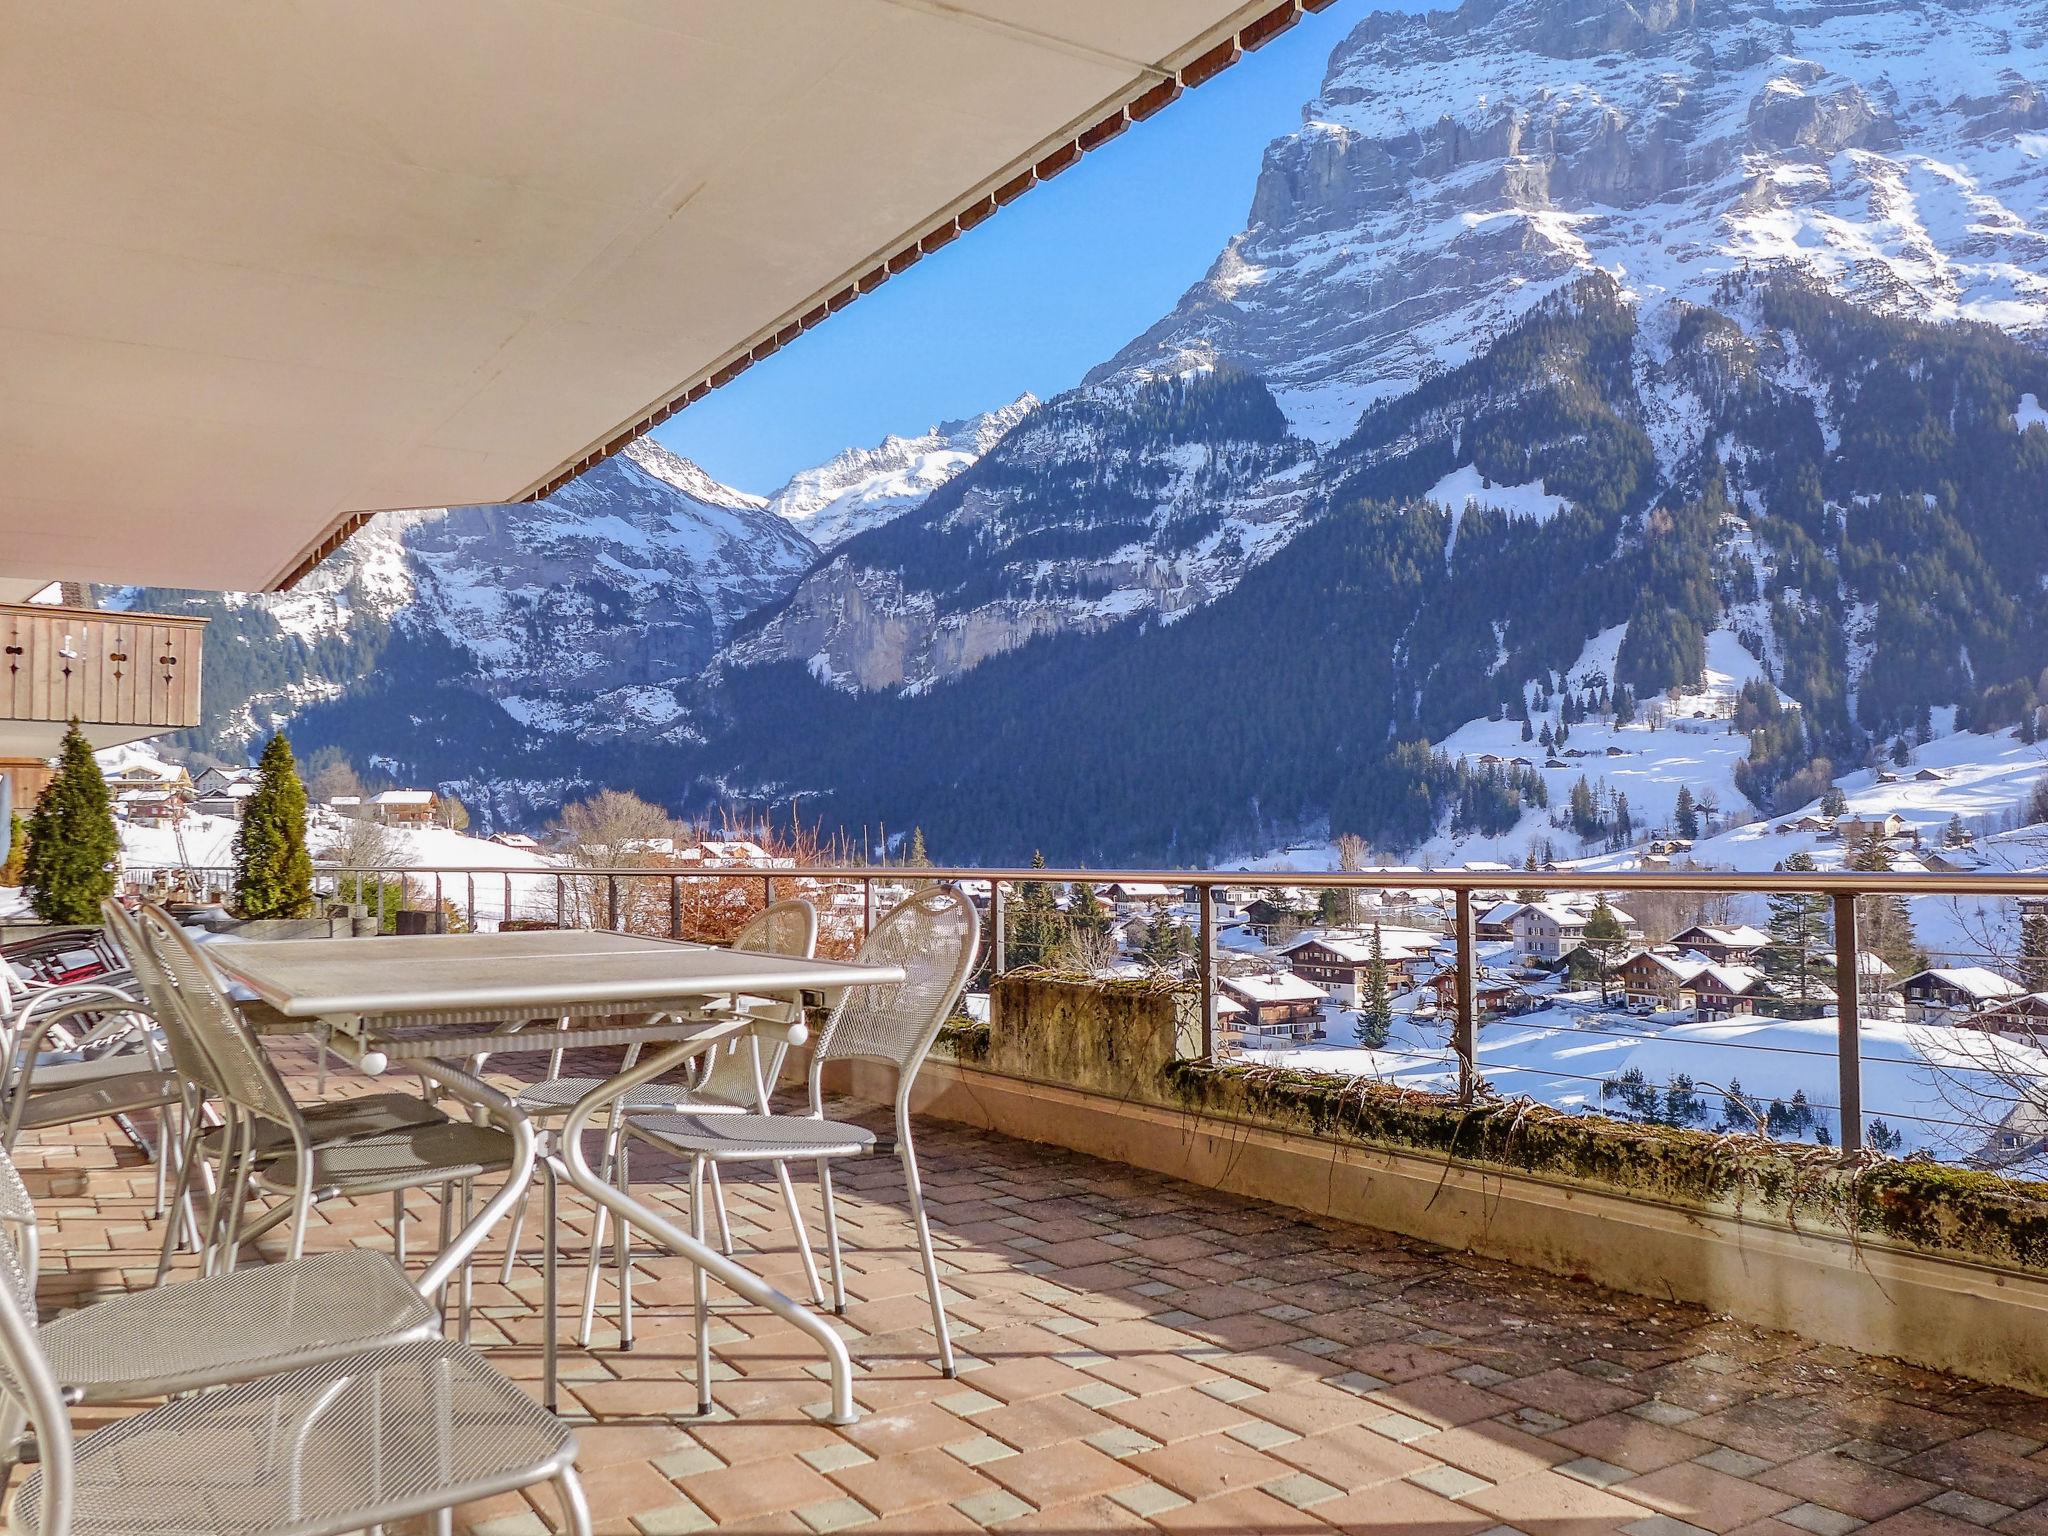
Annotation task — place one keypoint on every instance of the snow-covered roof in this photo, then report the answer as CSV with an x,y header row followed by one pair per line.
x,y
1976,980
514,840
403,797
1273,987
1395,944
1148,889
1743,937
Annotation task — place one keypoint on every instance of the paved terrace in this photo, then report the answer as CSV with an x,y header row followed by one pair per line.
x,y
1142,1354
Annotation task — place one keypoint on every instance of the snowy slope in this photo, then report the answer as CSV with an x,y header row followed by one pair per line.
x,y
864,488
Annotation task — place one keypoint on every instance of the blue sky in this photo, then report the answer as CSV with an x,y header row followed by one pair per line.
x,y
1032,299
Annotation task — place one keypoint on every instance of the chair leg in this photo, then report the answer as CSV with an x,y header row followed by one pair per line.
x,y
701,1284
164,1143
718,1205
180,1215
398,1226
574,1509
462,1308
924,1248
832,1236
518,1230
803,1236
599,1225
446,1234
625,1250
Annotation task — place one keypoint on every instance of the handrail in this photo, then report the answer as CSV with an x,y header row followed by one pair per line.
x,y
1732,881
1842,887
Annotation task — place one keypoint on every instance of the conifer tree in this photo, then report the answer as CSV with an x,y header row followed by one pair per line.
x,y
1797,929
2033,964
17,851
1036,925
1955,834
1884,923
1685,817
1603,936
1377,1020
273,870
73,846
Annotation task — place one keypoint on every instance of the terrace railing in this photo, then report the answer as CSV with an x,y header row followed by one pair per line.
x,y
617,897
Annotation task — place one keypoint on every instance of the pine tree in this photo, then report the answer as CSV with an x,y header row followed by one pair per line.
x,y
1528,731
1603,936
917,858
1084,909
273,870
73,846
17,851
1377,1020
1036,925
2033,966
1955,834
1797,928
1884,923
1833,802
1685,817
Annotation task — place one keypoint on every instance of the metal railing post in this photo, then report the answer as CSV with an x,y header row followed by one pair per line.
x,y
867,905
675,906
561,912
1465,1038
611,902
470,880
1205,961
380,899
435,921
767,890
505,910
998,923
1849,1022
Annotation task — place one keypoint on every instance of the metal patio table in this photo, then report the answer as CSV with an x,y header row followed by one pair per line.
x,y
426,1000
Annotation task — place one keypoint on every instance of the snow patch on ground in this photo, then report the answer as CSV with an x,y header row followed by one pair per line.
x,y
1466,487
2029,414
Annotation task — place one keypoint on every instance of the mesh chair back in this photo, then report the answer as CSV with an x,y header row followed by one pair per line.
x,y
243,1072
935,936
784,928
158,993
17,1210
735,1074
28,1390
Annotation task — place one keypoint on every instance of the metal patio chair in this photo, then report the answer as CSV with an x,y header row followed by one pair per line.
x,y
935,936
203,1091
734,1080
209,1333
268,1144
402,1431
79,1051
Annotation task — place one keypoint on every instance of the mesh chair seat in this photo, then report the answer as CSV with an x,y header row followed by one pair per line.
x,y
254,1322
399,1159
62,1069
376,1439
557,1095
741,1138
332,1121
120,1094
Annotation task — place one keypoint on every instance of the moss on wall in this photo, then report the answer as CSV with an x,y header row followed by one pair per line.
x,y
1920,1204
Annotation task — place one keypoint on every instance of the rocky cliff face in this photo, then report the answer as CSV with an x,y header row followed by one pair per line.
x,y
1459,166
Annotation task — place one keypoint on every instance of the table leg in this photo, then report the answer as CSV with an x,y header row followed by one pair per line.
x,y
551,1197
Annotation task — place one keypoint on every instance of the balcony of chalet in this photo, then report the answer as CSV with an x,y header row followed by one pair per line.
x,y
1189,1298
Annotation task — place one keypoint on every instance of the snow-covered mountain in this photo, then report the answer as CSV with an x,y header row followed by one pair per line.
x,y
1460,165
864,488
1692,338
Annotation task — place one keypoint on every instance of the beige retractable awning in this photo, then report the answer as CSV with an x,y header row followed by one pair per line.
x,y
267,267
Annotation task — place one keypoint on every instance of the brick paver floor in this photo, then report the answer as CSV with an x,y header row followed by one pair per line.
x,y
1140,1354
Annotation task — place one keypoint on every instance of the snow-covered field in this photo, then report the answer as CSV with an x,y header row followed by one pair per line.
x,y
1943,1091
